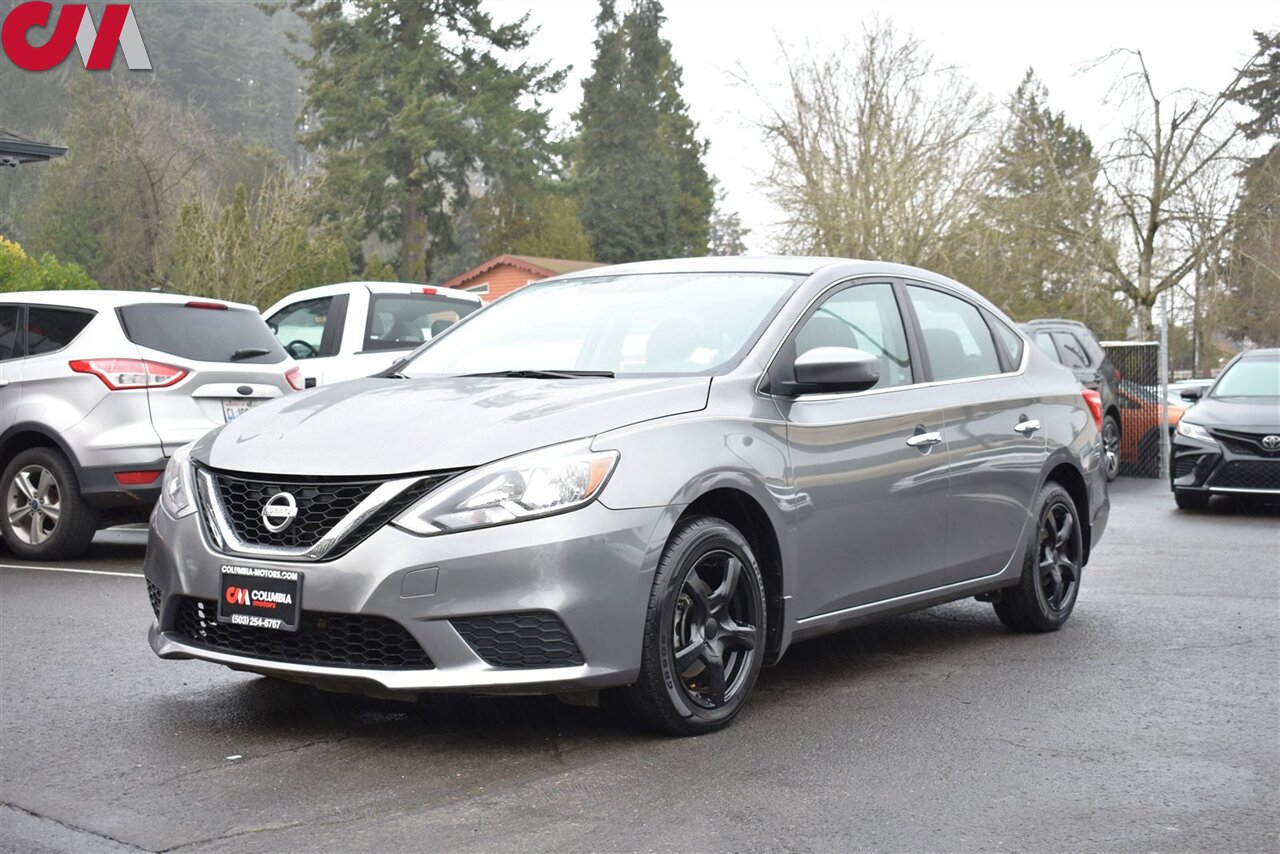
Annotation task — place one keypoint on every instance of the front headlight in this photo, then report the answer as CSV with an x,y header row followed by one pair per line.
x,y
1194,431
539,483
175,489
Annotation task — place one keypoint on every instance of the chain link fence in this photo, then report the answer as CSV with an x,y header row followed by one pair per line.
x,y
1143,399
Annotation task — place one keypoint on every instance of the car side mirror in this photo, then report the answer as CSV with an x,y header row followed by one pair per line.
x,y
1192,394
836,369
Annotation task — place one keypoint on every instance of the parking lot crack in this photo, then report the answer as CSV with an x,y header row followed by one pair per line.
x,y
73,828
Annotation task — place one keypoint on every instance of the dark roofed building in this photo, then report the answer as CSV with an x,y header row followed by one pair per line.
x,y
16,149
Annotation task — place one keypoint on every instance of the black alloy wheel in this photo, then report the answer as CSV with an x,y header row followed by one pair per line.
x,y
704,632
714,629
1046,592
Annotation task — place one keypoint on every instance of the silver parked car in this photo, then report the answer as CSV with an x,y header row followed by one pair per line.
x,y
99,388
650,478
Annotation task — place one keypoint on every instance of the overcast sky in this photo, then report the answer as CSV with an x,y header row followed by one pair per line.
x,y
1186,44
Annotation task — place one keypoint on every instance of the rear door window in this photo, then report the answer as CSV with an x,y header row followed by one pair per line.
x,y
51,329
403,321
9,332
201,334
956,337
1045,343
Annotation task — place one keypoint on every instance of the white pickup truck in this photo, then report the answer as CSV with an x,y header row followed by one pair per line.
x,y
354,329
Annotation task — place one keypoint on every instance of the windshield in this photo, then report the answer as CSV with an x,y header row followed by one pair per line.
x,y
659,324
1250,378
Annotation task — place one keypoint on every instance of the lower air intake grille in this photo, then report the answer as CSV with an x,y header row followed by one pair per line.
x,y
154,594
1183,466
339,640
1248,475
528,639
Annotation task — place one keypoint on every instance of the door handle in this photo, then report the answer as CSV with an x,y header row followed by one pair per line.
x,y
1028,427
924,440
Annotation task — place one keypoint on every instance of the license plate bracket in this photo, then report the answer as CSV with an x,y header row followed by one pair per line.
x,y
233,408
260,598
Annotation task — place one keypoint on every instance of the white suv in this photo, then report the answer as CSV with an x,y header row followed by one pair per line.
x,y
354,329
99,388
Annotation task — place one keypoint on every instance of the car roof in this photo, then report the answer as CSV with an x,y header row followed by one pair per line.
x,y
1266,353
378,288
100,300
805,265
1055,321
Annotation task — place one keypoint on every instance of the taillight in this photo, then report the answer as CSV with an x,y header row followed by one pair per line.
x,y
1094,400
124,374
429,291
216,306
293,377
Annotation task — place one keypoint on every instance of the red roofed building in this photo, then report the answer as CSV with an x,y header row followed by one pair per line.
x,y
506,273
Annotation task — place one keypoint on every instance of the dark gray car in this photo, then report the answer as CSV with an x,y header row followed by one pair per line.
x,y
650,478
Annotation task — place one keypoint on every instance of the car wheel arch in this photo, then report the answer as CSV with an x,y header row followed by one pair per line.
x,y
743,511
20,437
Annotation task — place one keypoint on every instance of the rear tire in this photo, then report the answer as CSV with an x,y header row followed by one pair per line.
x,y
704,633
1111,447
1188,500
1045,595
44,515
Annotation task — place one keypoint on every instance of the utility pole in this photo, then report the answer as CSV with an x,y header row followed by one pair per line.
x,y
1164,385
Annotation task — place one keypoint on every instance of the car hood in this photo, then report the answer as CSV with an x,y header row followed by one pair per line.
x,y
379,426
1248,414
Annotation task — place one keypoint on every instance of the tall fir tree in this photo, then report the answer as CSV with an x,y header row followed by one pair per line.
x,y
1032,241
411,104
646,192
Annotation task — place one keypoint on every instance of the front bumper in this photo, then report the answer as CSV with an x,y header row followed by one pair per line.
x,y
591,568
1223,467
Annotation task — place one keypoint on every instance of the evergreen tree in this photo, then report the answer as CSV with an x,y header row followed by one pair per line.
x,y
1031,245
646,193
409,104
1260,87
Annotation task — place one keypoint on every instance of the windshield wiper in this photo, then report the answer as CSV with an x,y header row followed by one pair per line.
x,y
543,375
249,353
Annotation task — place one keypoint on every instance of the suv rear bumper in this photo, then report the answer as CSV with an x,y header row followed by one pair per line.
x,y
102,491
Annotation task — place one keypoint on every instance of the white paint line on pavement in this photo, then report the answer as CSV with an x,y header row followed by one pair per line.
x,y
70,569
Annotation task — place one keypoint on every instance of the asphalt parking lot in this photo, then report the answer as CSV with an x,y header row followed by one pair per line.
x,y
1149,722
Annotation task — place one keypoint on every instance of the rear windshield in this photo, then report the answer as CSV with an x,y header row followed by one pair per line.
x,y
404,321
201,334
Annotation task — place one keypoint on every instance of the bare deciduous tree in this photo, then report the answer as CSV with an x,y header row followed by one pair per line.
x,y
879,156
1166,164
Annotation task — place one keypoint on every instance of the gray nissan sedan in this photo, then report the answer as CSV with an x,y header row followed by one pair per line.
x,y
650,478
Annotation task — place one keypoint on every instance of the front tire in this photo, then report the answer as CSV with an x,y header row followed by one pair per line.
x,y
1188,500
45,517
704,632
1046,593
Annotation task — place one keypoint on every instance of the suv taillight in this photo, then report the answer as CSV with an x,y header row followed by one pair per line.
x,y
1094,400
293,377
124,374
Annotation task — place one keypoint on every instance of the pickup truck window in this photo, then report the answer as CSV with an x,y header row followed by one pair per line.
x,y
300,327
403,321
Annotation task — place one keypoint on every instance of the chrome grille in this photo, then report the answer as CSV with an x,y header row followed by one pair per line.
x,y
333,514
